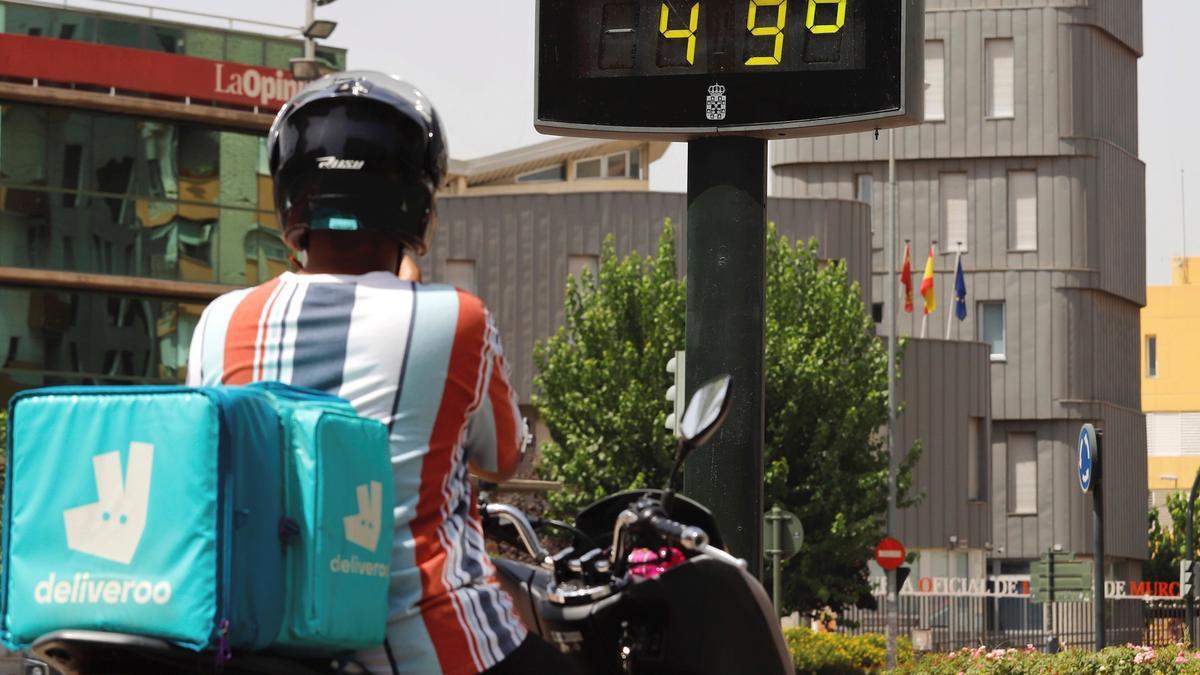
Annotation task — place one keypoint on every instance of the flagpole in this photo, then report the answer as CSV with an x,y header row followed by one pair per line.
x,y
953,299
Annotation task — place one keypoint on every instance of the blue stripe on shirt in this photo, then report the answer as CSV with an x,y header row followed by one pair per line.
x,y
322,330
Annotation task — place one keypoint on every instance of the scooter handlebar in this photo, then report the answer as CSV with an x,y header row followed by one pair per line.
x,y
689,537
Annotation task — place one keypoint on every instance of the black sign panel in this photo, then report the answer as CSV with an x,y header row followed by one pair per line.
x,y
678,69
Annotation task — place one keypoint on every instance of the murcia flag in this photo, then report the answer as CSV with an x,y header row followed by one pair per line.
x,y
906,279
927,291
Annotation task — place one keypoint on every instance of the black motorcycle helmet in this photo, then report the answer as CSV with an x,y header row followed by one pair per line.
x,y
357,151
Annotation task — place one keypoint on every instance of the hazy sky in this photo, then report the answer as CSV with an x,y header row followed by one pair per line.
x,y
475,60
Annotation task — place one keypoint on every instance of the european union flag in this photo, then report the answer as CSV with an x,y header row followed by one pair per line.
x,y
960,292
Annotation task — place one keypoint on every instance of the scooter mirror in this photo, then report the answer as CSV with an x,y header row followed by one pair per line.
x,y
705,412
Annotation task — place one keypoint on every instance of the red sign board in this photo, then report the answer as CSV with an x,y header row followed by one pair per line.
x,y
144,71
890,553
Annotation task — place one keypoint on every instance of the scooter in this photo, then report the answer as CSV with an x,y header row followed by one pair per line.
x,y
84,652
661,597
645,586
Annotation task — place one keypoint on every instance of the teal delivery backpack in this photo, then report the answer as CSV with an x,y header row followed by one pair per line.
x,y
338,522
250,518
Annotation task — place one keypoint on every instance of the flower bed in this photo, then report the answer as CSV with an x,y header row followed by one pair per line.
x,y
1127,660
834,654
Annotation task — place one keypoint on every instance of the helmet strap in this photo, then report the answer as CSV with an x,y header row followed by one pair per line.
x,y
298,259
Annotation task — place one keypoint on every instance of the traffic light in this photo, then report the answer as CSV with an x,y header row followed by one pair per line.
x,y
1187,570
676,393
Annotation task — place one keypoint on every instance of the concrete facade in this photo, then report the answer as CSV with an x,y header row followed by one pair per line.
x,y
1071,289
516,251
1169,370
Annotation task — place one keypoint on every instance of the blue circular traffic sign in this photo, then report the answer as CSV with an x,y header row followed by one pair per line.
x,y
1089,457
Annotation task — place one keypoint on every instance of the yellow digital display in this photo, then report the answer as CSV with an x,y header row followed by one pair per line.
x,y
727,36
688,33
655,65
760,31
825,28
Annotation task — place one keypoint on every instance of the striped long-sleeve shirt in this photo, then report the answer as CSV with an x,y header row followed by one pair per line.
x,y
425,360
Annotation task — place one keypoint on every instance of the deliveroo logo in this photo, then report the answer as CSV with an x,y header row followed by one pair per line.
x,y
112,526
362,528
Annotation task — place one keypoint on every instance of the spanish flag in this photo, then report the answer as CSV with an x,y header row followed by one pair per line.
x,y
906,279
927,291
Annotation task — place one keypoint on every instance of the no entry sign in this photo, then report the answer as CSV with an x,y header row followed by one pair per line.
x,y
889,553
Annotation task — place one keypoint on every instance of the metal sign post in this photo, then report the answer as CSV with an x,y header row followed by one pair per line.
x,y
726,297
773,549
1190,552
890,555
1090,445
783,535
1098,545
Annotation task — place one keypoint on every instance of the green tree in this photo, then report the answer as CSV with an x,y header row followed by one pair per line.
x,y
600,378
826,459
1168,545
601,382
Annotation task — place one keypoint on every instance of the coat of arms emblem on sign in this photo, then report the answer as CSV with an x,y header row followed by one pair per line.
x,y
715,108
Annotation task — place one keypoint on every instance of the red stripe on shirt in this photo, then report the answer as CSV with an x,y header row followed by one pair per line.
x,y
508,438
260,367
450,638
241,339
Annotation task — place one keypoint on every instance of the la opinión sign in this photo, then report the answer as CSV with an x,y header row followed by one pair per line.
x,y
1016,586
269,90
144,71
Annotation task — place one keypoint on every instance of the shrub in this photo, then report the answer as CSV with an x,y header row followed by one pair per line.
x,y
1126,660
836,654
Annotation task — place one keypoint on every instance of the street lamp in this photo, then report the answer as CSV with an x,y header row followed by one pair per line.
x,y
319,29
304,69
307,68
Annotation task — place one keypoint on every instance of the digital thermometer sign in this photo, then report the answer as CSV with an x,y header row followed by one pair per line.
x,y
681,69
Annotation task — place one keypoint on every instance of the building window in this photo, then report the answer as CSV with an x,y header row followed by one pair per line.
x,y
554,173
991,327
617,165
164,39
877,312
461,274
1151,356
935,81
22,20
1000,78
1022,210
953,188
1173,434
976,459
120,33
864,187
1164,434
576,264
1022,474
1189,433
589,168
1015,614
72,174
